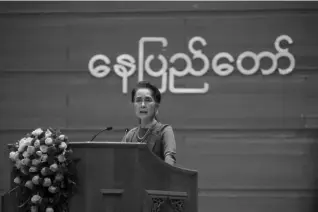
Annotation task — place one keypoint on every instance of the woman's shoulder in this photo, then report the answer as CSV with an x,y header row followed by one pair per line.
x,y
161,127
167,134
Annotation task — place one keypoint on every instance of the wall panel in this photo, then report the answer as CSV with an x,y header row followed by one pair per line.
x,y
252,138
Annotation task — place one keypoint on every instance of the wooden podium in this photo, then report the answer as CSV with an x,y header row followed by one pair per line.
x,y
127,177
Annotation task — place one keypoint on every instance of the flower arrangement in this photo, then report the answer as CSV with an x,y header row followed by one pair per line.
x,y
43,171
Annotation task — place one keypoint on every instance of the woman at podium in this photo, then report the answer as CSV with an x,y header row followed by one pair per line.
x,y
159,137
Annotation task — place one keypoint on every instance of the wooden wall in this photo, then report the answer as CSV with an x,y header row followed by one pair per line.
x,y
253,139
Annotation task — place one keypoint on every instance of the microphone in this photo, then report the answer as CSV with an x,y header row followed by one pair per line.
x,y
126,131
107,128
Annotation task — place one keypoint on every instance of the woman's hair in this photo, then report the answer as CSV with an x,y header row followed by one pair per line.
x,y
154,91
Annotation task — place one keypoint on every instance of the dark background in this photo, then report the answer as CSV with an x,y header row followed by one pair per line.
x,y
253,139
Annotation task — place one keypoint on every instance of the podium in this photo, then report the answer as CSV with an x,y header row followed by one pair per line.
x,y
127,177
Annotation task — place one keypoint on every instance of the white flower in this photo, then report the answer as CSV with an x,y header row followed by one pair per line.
x,y
44,158
18,164
22,141
63,145
49,209
17,180
35,162
29,184
36,179
39,153
43,148
14,156
25,154
30,150
28,141
61,158
21,147
52,189
36,143
26,161
48,141
59,177
48,133
36,199
33,169
44,171
47,182
37,132
54,167
62,137
34,208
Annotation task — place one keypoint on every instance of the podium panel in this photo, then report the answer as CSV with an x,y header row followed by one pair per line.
x,y
122,177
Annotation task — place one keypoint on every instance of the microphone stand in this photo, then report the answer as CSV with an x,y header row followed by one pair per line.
x,y
107,128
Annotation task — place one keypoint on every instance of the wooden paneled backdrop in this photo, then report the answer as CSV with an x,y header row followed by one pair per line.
x,y
253,139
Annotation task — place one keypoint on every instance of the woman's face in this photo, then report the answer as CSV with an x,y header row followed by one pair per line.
x,y
144,103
